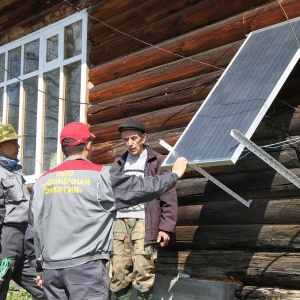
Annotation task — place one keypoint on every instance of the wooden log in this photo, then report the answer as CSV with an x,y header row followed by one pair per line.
x,y
107,9
159,19
203,63
105,153
28,22
203,39
254,185
263,293
261,211
144,14
257,237
176,93
166,119
265,134
267,269
17,12
6,3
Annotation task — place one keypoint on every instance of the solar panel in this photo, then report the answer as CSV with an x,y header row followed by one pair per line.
x,y
241,97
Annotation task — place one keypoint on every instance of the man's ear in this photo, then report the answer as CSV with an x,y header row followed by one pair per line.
x,y
89,146
144,137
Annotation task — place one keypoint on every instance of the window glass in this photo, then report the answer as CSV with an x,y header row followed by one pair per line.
x,y
30,118
1,104
52,48
73,40
36,71
13,93
72,107
2,67
14,63
51,82
31,56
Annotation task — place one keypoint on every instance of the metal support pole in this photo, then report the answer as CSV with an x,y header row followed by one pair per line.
x,y
266,157
211,178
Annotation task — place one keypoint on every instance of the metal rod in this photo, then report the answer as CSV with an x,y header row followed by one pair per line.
x,y
266,157
211,178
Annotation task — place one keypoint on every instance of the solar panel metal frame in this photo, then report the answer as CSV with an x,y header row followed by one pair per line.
x,y
203,133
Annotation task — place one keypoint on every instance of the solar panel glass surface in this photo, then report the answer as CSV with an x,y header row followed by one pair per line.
x,y
241,96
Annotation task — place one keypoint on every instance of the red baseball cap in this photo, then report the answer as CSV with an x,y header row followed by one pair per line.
x,y
77,131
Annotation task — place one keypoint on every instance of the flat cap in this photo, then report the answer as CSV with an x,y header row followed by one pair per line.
x,y
132,124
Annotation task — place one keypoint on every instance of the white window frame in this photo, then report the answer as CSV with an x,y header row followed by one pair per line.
x,y
42,34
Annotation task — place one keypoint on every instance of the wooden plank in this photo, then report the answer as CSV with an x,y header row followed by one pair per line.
x,y
266,269
256,237
203,39
207,62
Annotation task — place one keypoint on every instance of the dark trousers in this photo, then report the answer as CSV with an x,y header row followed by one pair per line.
x,y
12,247
88,281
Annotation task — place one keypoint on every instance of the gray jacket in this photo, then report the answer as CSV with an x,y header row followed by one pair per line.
x,y
74,207
14,196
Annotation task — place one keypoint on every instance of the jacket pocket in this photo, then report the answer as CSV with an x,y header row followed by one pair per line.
x,y
7,183
12,193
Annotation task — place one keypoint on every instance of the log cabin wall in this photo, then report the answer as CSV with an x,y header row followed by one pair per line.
x,y
163,85
156,61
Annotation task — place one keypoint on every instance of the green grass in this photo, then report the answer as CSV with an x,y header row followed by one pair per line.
x,y
17,295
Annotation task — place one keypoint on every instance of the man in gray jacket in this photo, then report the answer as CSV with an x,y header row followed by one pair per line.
x,y
14,204
73,210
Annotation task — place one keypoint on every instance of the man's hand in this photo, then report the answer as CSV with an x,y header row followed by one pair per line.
x,y
39,281
179,166
163,238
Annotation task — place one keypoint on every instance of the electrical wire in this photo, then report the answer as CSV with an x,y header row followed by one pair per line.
x,y
274,146
141,41
117,30
130,36
289,23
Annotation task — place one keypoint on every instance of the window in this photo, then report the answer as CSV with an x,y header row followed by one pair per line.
x,y
43,79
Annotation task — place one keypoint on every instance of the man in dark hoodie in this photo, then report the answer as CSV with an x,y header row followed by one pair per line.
x,y
14,204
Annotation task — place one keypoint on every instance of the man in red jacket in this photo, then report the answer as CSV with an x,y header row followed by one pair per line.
x,y
141,228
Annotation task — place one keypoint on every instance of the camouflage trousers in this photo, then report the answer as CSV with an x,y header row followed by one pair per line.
x,y
132,262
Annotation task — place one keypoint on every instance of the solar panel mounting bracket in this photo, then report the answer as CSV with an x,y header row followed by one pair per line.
x,y
197,168
265,157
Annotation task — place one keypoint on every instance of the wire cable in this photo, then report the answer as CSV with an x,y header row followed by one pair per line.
x,y
141,41
289,23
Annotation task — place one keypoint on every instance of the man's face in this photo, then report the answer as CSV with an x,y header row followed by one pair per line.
x,y
133,141
9,149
